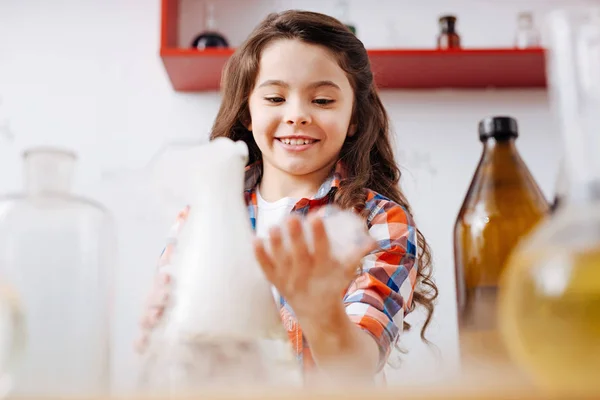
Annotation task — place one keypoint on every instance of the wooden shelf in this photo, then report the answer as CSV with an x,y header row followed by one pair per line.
x,y
191,70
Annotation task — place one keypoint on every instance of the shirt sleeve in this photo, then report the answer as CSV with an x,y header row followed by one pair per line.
x,y
377,299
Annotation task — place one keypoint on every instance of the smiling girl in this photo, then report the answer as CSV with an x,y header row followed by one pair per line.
x,y
300,93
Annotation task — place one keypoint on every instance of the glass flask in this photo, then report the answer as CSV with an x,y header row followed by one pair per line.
x,y
502,204
550,294
222,328
210,37
56,251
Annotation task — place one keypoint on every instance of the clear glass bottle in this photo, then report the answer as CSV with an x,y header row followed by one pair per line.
x,y
550,294
527,35
503,204
56,251
210,37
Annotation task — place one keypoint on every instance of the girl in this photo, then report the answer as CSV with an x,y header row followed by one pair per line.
x,y
300,92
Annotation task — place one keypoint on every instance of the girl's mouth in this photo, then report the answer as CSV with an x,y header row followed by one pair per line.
x,y
296,144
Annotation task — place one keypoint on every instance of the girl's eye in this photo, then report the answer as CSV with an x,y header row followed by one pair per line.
x,y
323,102
275,99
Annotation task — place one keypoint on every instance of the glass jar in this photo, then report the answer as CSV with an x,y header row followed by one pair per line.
x,y
502,205
56,251
550,292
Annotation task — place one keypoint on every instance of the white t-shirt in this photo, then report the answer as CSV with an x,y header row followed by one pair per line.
x,y
271,213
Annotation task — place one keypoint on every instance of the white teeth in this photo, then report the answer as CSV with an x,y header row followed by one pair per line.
x,y
296,142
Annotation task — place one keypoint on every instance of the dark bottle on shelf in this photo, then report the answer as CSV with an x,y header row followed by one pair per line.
x,y
502,205
210,37
448,38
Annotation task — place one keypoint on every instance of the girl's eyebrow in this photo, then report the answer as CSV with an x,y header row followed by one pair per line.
x,y
314,85
319,84
274,82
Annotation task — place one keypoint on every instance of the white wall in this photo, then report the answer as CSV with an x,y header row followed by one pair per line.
x,y
86,74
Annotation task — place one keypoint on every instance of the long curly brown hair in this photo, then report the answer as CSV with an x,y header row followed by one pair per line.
x,y
367,155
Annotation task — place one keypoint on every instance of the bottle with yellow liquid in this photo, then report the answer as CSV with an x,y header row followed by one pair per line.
x,y
549,304
502,205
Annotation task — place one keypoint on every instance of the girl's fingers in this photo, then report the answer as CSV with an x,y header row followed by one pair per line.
x,y
321,250
279,254
299,249
302,262
264,260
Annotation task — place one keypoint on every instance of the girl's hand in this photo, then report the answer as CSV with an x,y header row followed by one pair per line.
x,y
313,283
155,306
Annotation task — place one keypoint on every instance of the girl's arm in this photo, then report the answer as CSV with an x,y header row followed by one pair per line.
x,y
355,338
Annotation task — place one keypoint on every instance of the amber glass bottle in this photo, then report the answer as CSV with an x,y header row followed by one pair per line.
x,y
503,204
448,38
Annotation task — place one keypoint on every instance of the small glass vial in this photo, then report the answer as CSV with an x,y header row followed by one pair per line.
x,y
448,38
527,35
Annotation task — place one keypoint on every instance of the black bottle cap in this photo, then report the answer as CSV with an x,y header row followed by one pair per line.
x,y
499,128
447,23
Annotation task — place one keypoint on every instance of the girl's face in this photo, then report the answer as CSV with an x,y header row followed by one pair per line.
x,y
300,108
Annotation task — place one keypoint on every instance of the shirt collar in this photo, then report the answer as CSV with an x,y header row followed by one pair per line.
x,y
254,173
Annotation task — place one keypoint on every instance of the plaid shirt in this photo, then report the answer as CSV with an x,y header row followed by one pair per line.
x,y
378,299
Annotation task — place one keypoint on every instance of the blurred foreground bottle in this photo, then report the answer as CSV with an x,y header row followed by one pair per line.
x,y
550,297
222,328
502,204
56,251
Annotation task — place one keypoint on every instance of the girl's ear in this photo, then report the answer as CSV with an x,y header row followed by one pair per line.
x,y
246,120
247,123
352,129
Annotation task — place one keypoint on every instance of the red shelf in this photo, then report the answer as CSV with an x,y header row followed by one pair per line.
x,y
193,70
